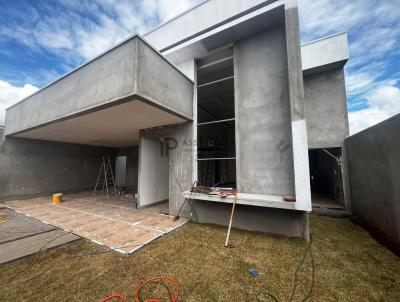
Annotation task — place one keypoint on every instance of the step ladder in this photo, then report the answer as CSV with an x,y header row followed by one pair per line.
x,y
106,177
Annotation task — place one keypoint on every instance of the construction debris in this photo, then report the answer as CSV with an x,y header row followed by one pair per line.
x,y
254,272
2,217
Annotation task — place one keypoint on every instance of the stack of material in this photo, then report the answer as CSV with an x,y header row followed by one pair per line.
x,y
223,192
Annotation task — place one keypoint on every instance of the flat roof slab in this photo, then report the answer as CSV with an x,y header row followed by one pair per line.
x,y
201,18
328,53
131,70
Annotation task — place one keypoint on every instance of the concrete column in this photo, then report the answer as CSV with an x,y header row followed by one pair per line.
x,y
295,73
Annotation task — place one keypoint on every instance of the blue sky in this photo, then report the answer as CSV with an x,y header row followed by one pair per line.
x,y
44,39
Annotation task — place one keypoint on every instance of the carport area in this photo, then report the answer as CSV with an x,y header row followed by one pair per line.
x,y
58,138
113,222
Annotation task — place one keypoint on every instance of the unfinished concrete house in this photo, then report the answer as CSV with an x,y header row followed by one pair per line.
x,y
222,95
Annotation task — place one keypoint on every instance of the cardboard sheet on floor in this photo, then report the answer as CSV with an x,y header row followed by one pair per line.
x,y
110,222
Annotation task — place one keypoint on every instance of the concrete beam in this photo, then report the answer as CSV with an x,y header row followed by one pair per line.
x,y
204,17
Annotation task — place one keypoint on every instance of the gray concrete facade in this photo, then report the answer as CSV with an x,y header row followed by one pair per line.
x,y
373,164
326,109
263,119
271,114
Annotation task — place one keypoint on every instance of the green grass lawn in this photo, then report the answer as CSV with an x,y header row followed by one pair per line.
x,y
349,266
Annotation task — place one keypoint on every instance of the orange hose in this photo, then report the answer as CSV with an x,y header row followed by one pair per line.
x,y
112,297
173,297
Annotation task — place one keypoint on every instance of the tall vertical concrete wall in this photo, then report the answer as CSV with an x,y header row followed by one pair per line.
x,y
36,168
263,115
326,109
374,177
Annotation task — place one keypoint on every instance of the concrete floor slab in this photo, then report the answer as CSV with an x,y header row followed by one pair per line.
x,y
14,225
112,222
23,247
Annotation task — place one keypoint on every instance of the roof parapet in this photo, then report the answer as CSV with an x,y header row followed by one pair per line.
x,y
327,53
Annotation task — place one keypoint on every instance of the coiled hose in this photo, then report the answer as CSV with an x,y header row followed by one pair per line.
x,y
173,297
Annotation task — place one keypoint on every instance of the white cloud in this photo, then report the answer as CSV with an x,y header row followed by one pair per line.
x,y
384,102
72,34
10,94
357,82
386,98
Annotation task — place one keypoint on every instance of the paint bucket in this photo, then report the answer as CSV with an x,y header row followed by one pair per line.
x,y
57,198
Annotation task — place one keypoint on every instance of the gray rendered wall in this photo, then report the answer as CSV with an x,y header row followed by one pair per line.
x,y
162,84
37,168
263,117
326,109
373,157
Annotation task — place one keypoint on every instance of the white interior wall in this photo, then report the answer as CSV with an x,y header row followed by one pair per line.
x,y
153,173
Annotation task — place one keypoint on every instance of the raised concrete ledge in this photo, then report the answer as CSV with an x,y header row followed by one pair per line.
x,y
200,19
243,26
133,68
258,200
324,54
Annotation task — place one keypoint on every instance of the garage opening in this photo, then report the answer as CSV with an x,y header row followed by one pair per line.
x,y
216,154
326,177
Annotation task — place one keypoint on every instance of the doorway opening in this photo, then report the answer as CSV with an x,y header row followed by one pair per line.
x,y
216,152
120,171
326,178
153,172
